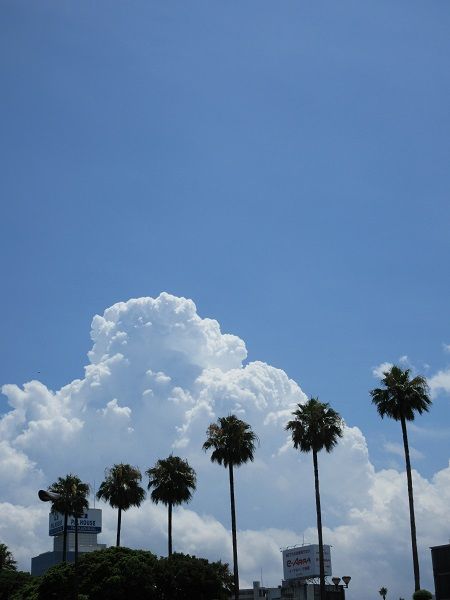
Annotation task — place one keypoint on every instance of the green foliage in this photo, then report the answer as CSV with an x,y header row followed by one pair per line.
x,y
232,440
422,595
401,396
383,591
122,573
12,581
57,583
182,576
7,561
73,495
172,480
121,487
316,426
29,590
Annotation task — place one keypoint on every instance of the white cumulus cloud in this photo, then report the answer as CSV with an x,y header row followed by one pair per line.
x,y
158,374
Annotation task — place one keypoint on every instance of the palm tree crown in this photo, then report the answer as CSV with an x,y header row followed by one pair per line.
x,y
172,480
73,495
316,426
399,399
383,591
401,396
122,490
233,443
232,440
121,487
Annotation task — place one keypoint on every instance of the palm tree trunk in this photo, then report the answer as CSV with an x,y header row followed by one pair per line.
x,y
76,558
169,532
119,525
76,540
64,557
319,527
233,533
411,507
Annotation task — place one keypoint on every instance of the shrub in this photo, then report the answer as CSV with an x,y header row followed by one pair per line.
x,y
422,595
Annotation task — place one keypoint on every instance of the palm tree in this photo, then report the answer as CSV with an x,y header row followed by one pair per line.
x,y
7,562
71,501
122,490
383,591
173,482
316,426
399,399
233,444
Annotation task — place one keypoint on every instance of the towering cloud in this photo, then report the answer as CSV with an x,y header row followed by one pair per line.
x,y
158,375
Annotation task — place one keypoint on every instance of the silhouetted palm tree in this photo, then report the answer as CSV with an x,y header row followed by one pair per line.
x,y
122,490
233,444
72,501
316,427
383,591
7,561
399,399
173,482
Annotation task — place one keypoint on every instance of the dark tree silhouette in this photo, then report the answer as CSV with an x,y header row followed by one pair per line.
x,y
72,501
173,482
121,489
7,562
233,443
315,427
399,399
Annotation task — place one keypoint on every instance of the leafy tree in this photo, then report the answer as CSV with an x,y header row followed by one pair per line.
x,y
7,562
316,426
28,590
181,576
11,582
233,443
122,490
422,595
121,573
72,501
399,399
173,482
383,591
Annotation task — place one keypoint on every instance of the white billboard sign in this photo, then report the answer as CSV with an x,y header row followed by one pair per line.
x,y
303,561
89,522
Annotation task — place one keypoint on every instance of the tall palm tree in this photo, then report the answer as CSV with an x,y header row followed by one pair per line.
x,y
316,426
399,399
71,501
173,482
122,490
233,444
383,591
7,561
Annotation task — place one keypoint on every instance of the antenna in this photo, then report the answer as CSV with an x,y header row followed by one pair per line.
x,y
262,584
94,493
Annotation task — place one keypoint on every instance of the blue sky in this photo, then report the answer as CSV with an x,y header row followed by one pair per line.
x,y
284,165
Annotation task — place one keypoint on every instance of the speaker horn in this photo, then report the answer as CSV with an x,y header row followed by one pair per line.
x,y
48,496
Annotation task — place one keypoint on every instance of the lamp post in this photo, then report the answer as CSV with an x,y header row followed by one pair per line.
x,y
346,580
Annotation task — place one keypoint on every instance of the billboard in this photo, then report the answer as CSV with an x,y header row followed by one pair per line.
x,y
89,522
303,561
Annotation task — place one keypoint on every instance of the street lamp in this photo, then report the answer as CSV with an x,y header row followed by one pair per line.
x,y
345,578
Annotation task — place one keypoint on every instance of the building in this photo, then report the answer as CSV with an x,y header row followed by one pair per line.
x,y
89,526
292,590
440,556
301,568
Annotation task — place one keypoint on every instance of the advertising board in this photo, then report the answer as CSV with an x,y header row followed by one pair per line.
x,y
89,522
303,561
